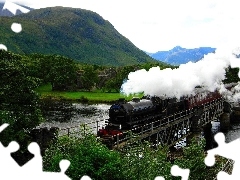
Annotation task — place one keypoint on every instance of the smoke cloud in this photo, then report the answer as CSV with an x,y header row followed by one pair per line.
x,y
207,73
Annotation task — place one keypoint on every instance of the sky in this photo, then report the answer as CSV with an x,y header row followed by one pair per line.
x,y
157,25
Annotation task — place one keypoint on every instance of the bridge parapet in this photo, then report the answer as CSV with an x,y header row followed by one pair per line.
x,y
206,113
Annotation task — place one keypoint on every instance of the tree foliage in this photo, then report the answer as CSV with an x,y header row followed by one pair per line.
x,y
143,162
87,157
19,105
193,159
232,75
89,77
137,162
62,73
90,157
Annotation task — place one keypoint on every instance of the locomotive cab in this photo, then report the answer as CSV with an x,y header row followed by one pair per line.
x,y
117,112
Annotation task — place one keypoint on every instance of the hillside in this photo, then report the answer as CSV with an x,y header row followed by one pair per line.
x,y
76,33
179,55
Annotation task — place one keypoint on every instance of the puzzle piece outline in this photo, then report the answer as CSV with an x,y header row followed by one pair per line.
x,y
177,171
33,168
227,150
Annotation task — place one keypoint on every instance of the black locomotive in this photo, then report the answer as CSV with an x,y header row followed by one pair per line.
x,y
125,115
142,111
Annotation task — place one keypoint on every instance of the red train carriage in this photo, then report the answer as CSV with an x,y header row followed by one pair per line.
x,y
202,97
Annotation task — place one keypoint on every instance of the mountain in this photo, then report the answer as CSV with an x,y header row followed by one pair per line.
x,y
11,9
79,34
179,55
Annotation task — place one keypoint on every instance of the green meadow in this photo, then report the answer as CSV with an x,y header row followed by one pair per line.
x,y
45,92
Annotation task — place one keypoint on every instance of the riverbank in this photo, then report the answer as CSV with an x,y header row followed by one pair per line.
x,y
45,92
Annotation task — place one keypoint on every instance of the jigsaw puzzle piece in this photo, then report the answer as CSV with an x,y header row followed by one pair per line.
x,y
177,171
64,164
3,126
86,178
210,159
35,164
30,175
53,175
159,178
223,176
8,164
33,169
45,176
227,150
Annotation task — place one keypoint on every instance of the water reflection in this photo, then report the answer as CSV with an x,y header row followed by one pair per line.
x,y
232,134
58,111
66,114
88,113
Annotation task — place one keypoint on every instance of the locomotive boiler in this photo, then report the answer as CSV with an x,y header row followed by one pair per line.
x,y
126,115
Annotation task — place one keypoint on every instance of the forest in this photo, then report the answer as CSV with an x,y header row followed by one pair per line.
x,y
21,75
65,74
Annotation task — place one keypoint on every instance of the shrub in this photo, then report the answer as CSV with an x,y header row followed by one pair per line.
x,y
87,157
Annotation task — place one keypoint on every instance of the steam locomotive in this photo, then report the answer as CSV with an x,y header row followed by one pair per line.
x,y
125,115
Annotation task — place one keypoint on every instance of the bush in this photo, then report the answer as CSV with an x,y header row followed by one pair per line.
x,y
83,99
87,157
193,159
142,162
138,162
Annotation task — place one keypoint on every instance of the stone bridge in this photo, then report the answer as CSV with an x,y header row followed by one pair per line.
x,y
166,131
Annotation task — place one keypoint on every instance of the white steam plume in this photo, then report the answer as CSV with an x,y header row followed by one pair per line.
x,y
208,73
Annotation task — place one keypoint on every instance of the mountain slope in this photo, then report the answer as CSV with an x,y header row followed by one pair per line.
x,y
76,33
179,55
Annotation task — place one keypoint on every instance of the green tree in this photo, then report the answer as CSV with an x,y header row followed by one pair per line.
x,y
89,77
193,159
115,83
60,71
31,66
41,65
142,162
19,105
231,75
87,157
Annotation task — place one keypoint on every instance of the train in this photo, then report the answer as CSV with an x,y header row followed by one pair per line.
x,y
126,115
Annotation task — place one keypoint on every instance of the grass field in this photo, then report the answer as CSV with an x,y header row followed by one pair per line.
x,y
45,91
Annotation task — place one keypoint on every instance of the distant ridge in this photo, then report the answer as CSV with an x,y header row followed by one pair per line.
x,y
179,55
11,9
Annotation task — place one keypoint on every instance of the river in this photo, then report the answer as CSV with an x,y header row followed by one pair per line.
x,y
68,115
